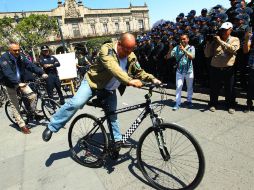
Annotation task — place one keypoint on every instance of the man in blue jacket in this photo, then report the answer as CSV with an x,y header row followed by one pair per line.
x,y
12,70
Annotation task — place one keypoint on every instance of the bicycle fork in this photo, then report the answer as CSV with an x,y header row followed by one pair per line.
x,y
160,139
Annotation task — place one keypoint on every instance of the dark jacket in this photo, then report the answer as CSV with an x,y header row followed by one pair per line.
x,y
8,69
52,61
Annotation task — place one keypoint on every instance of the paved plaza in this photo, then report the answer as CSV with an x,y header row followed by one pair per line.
x,y
29,163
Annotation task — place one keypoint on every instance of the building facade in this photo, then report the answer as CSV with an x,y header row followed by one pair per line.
x,y
79,23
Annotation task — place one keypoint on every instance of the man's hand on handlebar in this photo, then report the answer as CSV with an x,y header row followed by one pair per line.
x,y
135,83
156,81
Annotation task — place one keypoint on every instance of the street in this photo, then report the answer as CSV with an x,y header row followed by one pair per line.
x,y
29,163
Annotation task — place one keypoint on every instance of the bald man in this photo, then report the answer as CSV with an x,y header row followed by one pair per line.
x,y
116,68
13,66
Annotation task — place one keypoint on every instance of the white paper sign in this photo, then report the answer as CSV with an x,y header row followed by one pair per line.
x,y
67,69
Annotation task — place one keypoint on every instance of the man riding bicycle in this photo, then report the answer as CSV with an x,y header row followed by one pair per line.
x,y
13,65
116,68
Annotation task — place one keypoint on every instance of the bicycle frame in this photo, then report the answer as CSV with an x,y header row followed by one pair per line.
x,y
148,110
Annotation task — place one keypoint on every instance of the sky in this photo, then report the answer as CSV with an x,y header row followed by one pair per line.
x,y
158,9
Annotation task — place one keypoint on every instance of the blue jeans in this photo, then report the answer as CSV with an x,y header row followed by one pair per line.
x,y
84,93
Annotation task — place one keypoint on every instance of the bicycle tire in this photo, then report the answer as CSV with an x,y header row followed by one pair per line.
x,y
3,94
88,141
49,107
8,112
178,164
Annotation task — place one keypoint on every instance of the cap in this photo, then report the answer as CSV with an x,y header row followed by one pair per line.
x,y
204,10
180,32
217,7
193,12
239,17
170,33
181,15
226,25
44,48
195,26
190,15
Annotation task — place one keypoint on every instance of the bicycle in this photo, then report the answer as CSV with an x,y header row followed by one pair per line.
x,y
48,106
168,156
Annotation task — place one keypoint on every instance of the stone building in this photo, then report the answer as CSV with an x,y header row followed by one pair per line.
x,y
78,23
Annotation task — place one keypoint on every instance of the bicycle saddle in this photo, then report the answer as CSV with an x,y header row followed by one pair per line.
x,y
97,102
100,101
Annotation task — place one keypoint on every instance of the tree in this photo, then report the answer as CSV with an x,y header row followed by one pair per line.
x,y
7,31
29,31
97,42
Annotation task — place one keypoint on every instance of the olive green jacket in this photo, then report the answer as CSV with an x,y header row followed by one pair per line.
x,y
107,66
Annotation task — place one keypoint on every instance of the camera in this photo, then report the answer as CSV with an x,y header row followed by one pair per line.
x,y
210,35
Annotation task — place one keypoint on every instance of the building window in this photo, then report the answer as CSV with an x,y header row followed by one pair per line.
x,y
93,29
105,26
140,25
128,26
117,27
75,29
60,21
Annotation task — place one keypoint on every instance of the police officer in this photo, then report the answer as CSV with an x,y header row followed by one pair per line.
x,y
49,64
12,71
251,5
241,58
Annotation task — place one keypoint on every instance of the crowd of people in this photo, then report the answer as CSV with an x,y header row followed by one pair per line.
x,y
165,51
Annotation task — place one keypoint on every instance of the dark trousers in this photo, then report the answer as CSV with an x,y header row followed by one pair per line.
x,y
250,88
218,77
52,82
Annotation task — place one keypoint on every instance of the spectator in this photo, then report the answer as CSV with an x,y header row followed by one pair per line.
x,y
249,47
184,54
223,50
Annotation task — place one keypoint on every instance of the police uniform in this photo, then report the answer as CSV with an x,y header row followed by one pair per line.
x,y
12,73
53,80
241,58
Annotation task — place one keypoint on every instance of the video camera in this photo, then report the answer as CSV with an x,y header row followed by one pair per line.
x,y
210,35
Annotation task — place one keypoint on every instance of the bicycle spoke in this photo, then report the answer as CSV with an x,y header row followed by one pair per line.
x,y
178,170
87,139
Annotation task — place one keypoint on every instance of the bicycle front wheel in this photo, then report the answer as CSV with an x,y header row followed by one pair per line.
x,y
88,141
49,107
169,157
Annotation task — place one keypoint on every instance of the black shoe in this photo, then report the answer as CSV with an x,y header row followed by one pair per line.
x,y
247,109
123,145
62,102
46,135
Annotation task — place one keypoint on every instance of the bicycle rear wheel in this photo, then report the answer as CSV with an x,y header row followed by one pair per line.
x,y
88,141
178,164
8,112
49,107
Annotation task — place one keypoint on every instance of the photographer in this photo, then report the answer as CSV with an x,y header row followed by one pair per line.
x,y
223,50
184,54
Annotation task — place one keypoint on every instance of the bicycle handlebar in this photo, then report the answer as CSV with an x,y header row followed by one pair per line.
x,y
152,85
